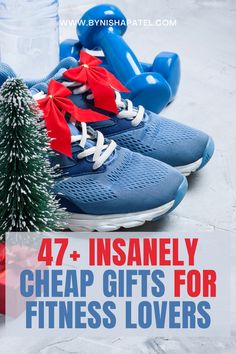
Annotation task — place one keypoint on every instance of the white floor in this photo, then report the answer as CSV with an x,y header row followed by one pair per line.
x,y
204,37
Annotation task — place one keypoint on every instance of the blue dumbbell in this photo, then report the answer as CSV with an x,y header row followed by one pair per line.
x,y
165,63
147,88
70,48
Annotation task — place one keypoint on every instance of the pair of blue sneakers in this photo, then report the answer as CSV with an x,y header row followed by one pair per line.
x,y
125,170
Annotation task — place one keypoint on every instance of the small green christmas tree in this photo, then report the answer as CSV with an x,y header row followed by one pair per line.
x,y
26,178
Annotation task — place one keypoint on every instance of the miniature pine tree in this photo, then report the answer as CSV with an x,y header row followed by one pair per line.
x,y
26,178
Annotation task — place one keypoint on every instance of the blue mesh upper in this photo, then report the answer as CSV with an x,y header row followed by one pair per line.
x,y
164,139
145,184
127,182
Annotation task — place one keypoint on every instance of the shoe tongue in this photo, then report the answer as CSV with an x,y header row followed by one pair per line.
x,y
73,129
89,143
77,131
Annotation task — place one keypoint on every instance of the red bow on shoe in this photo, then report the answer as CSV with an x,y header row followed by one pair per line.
x,y
101,82
54,106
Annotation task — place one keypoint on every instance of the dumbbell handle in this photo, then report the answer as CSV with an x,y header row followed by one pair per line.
x,y
119,56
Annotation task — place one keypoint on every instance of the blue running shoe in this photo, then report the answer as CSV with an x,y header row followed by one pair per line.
x,y
105,187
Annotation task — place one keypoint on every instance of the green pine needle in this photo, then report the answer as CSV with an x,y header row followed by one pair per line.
x,y
26,179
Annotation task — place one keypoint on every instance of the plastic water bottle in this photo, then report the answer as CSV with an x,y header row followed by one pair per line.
x,y
29,36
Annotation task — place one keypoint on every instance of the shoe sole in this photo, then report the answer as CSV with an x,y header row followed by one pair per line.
x,y
85,222
186,170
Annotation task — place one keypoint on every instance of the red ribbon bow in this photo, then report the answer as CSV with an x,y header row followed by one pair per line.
x,y
54,106
101,82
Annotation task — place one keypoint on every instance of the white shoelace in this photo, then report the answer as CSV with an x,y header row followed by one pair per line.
x,y
128,111
100,151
